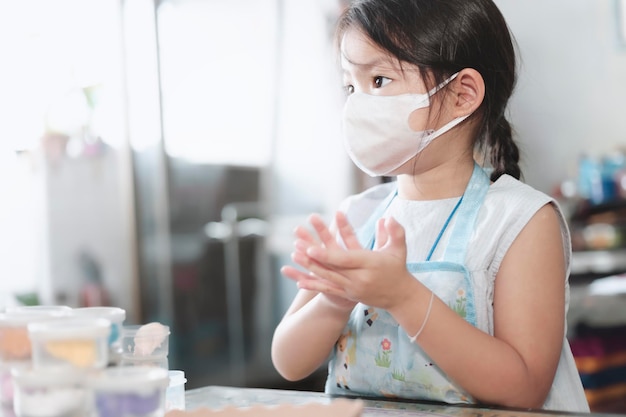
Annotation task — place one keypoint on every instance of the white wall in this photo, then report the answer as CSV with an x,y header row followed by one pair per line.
x,y
571,92
21,222
86,211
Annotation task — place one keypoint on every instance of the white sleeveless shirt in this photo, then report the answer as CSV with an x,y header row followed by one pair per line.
x,y
507,208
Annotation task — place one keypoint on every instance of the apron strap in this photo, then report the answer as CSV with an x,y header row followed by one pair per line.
x,y
466,216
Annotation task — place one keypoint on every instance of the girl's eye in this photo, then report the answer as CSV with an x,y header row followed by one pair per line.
x,y
380,81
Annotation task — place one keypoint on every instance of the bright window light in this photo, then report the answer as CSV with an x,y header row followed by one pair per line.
x,y
56,57
218,66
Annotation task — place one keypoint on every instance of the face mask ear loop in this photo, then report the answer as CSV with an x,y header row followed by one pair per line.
x,y
436,88
443,84
434,134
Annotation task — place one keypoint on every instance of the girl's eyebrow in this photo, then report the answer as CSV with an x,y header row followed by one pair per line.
x,y
379,62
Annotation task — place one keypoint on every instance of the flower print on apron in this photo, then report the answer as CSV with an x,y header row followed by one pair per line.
x,y
374,356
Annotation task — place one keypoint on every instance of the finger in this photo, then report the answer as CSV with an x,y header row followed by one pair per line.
x,y
382,236
302,233
319,269
397,238
301,245
394,229
323,232
302,259
338,258
293,273
326,272
308,280
323,286
346,231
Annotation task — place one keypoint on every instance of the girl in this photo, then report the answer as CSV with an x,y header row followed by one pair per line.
x,y
447,284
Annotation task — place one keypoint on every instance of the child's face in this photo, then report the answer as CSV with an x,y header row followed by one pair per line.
x,y
369,69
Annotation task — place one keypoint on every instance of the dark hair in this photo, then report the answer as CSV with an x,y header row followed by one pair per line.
x,y
442,37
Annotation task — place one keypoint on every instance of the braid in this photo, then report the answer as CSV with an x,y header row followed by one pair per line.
x,y
504,152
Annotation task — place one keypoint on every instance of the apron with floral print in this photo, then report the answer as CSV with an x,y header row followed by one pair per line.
x,y
374,356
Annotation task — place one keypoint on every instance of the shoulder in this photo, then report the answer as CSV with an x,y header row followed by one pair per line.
x,y
509,206
517,194
513,202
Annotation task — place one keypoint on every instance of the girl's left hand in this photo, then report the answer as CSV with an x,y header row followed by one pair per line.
x,y
374,277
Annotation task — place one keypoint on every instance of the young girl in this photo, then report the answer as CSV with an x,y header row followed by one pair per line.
x,y
447,284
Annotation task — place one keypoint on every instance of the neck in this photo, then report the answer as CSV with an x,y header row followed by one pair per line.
x,y
446,180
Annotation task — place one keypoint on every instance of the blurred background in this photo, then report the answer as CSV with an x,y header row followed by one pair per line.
x,y
157,154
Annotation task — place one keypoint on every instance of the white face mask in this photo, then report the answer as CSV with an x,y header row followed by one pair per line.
x,y
377,134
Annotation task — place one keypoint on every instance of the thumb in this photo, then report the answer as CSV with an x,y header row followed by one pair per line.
x,y
396,236
381,234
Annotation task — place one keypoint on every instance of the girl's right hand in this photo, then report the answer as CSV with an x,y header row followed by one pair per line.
x,y
304,241
297,275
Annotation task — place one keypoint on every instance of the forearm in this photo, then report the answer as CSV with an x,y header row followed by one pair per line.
x,y
489,369
303,339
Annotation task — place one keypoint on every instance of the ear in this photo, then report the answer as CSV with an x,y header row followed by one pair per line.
x,y
468,92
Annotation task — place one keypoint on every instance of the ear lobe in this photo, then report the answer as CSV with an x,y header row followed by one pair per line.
x,y
469,91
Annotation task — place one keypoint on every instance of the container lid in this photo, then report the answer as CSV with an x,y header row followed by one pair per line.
x,y
70,327
130,379
177,378
48,376
115,314
52,310
23,318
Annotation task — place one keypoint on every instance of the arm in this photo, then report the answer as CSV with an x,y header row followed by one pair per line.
x,y
311,326
305,336
516,366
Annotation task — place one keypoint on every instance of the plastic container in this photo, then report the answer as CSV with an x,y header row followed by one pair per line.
x,y
129,391
15,344
116,316
50,392
152,362
175,393
53,310
81,342
145,343
57,310
6,386
7,390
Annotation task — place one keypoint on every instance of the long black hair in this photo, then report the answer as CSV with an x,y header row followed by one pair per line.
x,y
442,37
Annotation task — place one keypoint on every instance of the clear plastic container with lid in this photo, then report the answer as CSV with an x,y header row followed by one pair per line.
x,y
175,393
6,382
15,344
129,391
59,391
145,345
116,316
6,386
52,310
82,342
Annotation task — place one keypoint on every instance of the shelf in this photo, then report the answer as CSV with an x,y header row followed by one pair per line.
x,y
607,262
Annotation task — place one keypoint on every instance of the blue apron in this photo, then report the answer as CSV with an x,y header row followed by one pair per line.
x,y
374,356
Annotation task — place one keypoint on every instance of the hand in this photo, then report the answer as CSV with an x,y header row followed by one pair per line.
x,y
378,278
304,241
